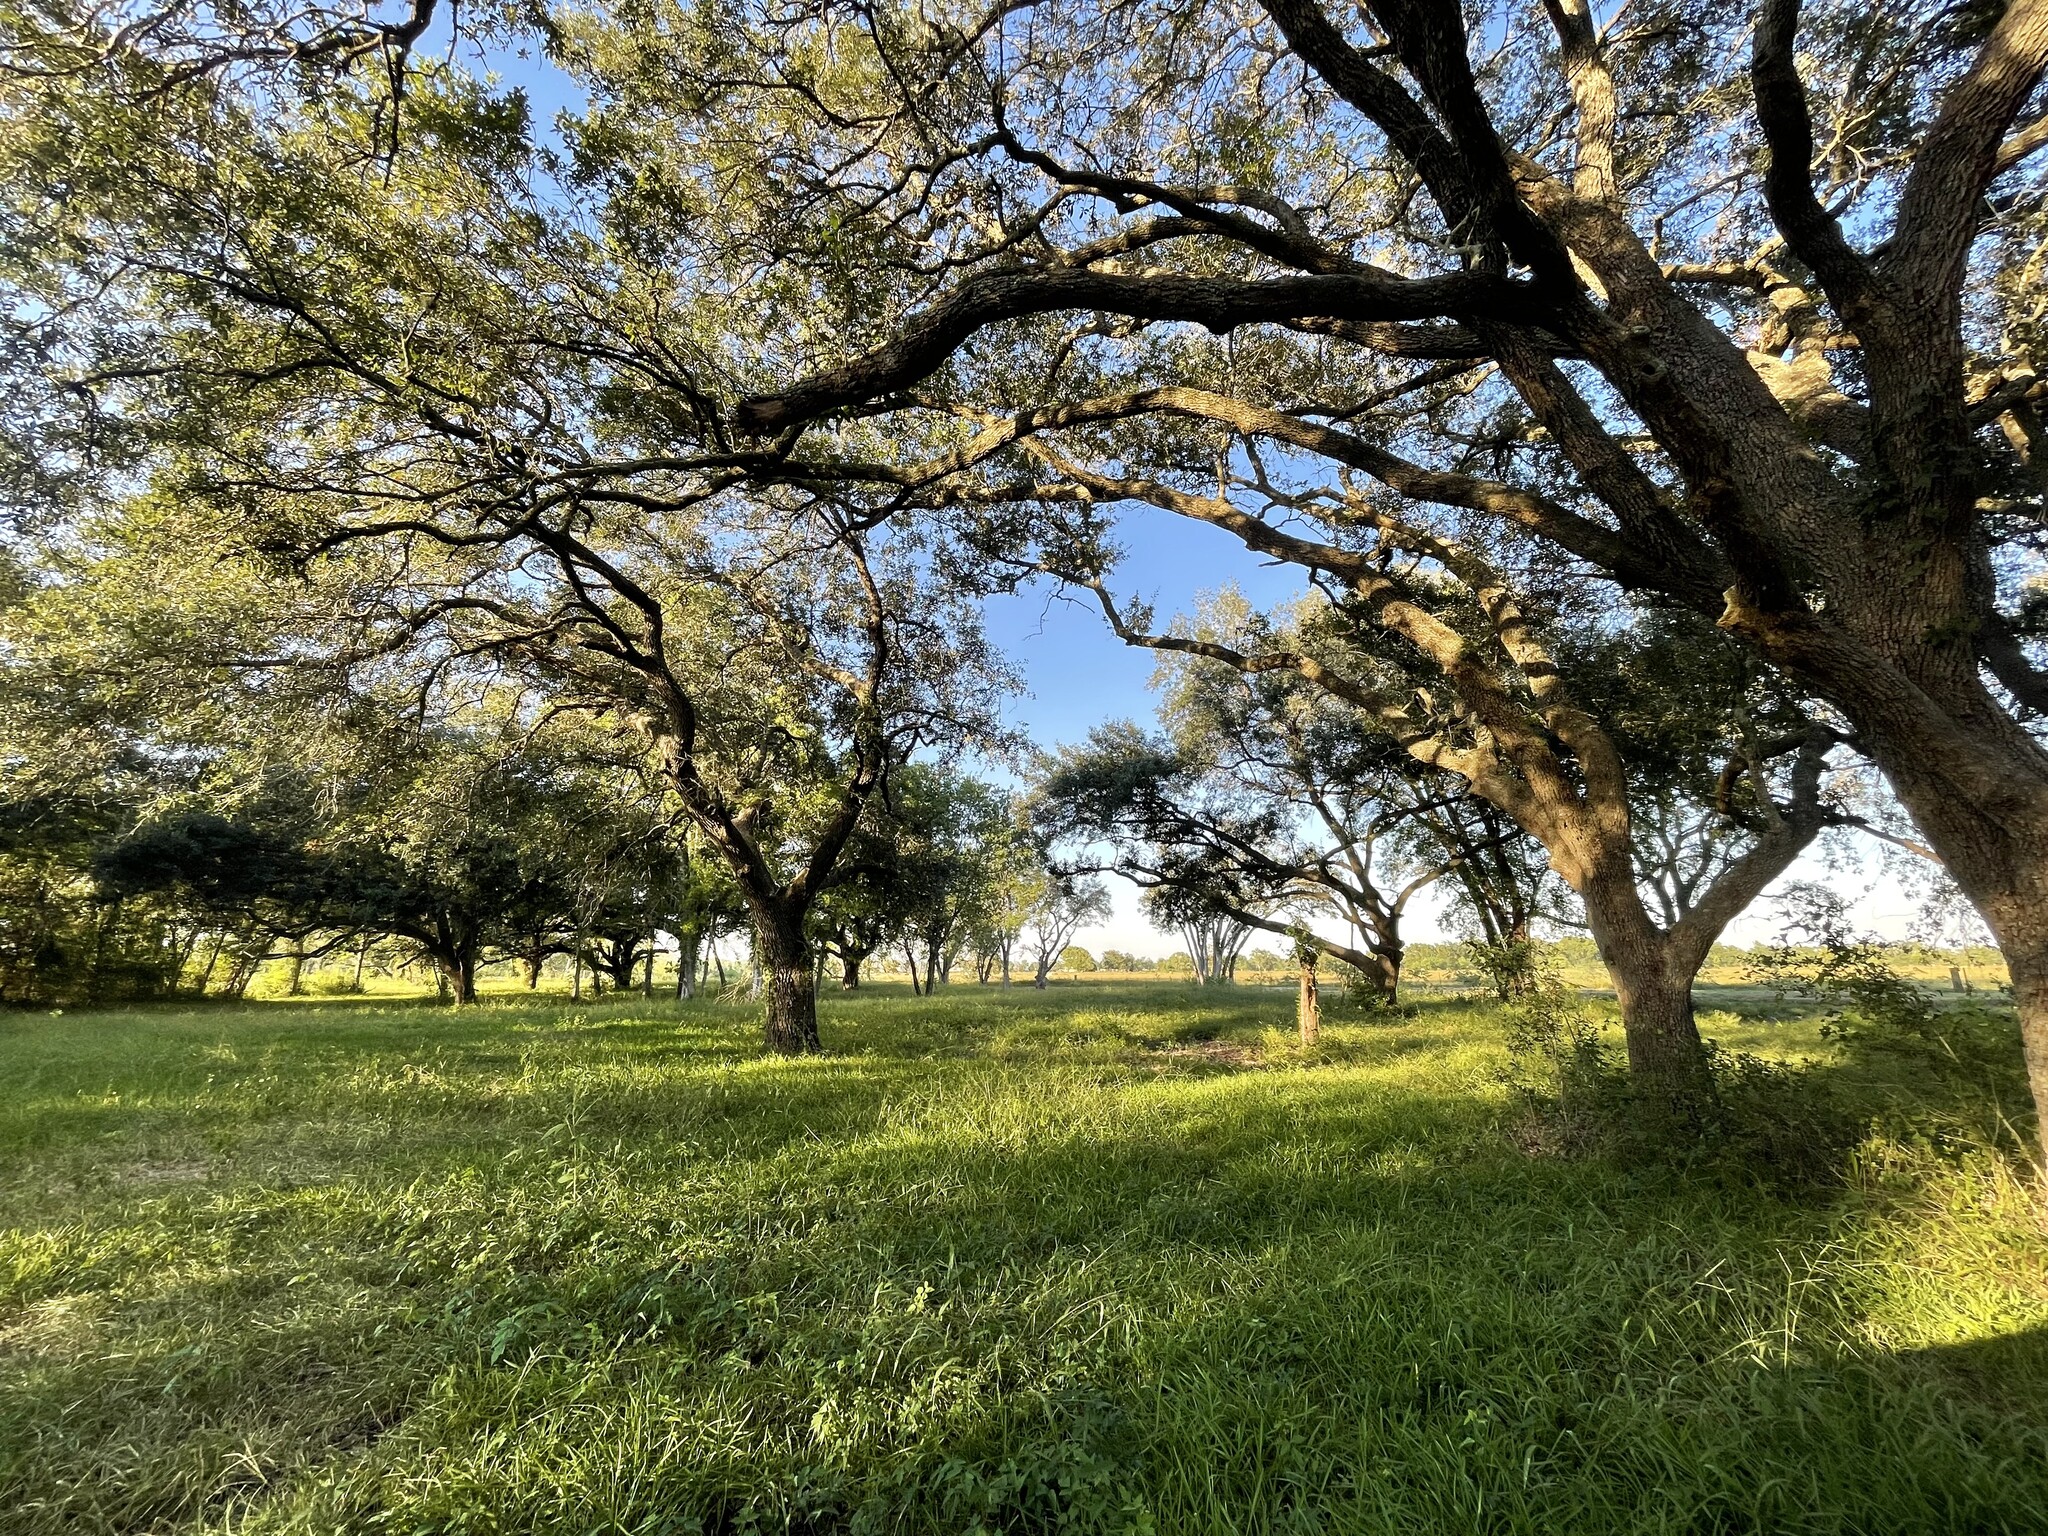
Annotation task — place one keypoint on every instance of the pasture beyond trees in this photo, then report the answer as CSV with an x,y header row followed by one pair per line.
x,y
1110,1257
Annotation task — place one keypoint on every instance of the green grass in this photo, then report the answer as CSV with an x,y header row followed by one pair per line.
x,y
1110,1258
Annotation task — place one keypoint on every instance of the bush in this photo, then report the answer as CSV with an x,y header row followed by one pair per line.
x,y
1511,967
1917,1071
1785,1126
1951,1075
1351,990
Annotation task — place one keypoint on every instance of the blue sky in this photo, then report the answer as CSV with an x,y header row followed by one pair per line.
x,y
1077,675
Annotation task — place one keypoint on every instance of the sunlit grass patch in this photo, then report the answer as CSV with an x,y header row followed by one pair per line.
x,y
1107,1257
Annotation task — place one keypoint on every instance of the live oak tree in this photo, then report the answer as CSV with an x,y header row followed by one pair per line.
x,y
796,664
947,831
441,852
243,882
497,834
1063,906
1436,646
855,914
152,841
774,682
918,873
1178,827
1011,879
1213,932
626,870
1268,799
1725,305
298,780
397,385
702,903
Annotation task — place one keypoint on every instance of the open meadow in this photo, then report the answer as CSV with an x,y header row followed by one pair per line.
x,y
1110,1257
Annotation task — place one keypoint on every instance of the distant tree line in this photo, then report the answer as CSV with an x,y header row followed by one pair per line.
x,y
477,848
209,761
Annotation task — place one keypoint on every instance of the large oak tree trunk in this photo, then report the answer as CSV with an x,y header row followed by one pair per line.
x,y
1997,853
2025,945
458,975
1653,986
788,989
1308,1004
1385,974
220,940
689,946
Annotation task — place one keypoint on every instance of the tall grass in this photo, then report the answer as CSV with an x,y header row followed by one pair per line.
x,y
1108,1258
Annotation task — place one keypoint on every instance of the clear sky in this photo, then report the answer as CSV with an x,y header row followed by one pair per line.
x,y
1077,675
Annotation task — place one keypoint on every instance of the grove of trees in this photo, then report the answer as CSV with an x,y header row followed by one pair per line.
x,y
515,536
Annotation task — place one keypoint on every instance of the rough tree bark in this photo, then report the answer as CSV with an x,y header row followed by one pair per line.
x,y
1308,1005
689,945
784,955
457,968
1385,973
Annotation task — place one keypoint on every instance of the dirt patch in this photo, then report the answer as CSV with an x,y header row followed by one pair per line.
x,y
1210,1053
151,1173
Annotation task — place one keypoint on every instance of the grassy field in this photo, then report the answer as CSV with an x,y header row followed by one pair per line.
x,y
1108,1258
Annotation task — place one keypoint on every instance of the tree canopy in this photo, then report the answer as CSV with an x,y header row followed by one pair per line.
x,y
806,328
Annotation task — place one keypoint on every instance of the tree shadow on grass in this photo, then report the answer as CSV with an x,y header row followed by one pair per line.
x,y
1212,1324
660,1284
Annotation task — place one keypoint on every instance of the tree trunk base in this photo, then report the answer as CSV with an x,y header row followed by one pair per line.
x,y
788,987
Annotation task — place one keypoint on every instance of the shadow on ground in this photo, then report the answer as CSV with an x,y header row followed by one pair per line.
x,y
1031,1263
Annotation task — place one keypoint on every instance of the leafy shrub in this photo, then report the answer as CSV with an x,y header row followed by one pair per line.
x,y
1951,1075
1513,967
1918,1071
1343,988
1780,1125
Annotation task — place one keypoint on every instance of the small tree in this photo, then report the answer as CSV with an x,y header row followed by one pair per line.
x,y
1067,904
1012,883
